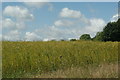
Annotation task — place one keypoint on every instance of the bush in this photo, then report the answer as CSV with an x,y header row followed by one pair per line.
x,y
98,37
73,40
85,37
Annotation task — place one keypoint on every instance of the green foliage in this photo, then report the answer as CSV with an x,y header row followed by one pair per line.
x,y
85,37
72,39
98,37
53,40
20,58
62,40
111,32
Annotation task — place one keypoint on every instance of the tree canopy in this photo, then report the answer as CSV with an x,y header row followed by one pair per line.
x,y
85,37
111,32
98,36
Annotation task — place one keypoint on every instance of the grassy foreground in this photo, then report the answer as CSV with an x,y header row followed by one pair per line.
x,y
83,59
0,60
102,71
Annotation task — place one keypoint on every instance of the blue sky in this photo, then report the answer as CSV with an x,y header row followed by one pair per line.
x,y
55,20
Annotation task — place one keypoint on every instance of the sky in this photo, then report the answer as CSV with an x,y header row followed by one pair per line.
x,y
33,21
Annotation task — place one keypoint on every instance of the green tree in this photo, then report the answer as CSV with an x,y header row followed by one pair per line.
x,y
72,39
98,37
111,32
85,37
62,40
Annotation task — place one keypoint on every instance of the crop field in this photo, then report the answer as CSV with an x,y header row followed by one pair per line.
x,y
59,59
0,60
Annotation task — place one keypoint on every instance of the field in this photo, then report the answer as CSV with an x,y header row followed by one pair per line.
x,y
0,60
60,59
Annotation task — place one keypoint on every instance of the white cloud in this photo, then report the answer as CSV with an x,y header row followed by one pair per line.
x,y
57,33
17,12
114,18
96,25
83,25
15,32
9,24
39,5
0,25
79,26
68,28
13,26
12,35
35,4
53,32
45,39
30,36
68,13
0,37
63,23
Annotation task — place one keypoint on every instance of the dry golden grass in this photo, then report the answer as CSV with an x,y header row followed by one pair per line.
x,y
103,71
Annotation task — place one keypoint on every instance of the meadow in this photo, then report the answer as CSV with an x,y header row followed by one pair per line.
x,y
0,60
59,59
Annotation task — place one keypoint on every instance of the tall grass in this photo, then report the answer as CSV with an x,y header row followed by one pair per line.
x,y
0,60
102,71
19,58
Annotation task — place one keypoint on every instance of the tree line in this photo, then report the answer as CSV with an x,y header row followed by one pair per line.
x,y
111,32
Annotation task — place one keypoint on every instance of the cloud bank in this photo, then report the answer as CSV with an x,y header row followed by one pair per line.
x,y
70,24
65,28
